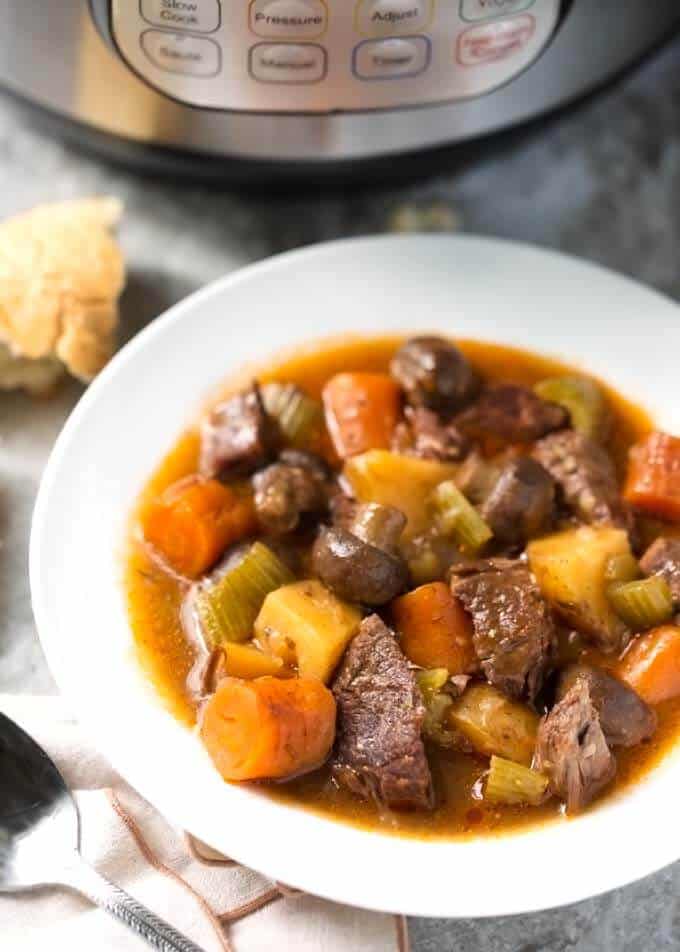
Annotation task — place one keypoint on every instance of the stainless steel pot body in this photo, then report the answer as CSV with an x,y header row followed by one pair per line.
x,y
316,81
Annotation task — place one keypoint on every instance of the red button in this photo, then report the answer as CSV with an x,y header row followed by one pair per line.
x,y
495,41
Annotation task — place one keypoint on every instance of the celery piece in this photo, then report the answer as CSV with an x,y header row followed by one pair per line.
x,y
425,567
512,783
458,519
642,604
432,680
298,415
228,608
582,397
436,725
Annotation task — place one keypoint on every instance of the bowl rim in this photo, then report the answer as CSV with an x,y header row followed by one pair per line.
x,y
344,889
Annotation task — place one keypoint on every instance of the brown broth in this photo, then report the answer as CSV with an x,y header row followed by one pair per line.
x,y
167,657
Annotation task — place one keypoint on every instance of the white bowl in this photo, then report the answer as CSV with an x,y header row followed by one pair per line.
x,y
133,414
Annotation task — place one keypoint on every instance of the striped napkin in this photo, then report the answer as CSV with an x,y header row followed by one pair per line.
x,y
221,906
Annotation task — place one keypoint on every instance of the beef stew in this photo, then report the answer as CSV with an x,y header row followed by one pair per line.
x,y
412,595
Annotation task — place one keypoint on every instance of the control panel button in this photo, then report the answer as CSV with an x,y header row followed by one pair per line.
x,y
199,16
181,53
288,62
474,10
392,59
288,19
391,17
494,41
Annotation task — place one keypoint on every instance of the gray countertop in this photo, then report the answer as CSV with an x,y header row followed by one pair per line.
x,y
601,181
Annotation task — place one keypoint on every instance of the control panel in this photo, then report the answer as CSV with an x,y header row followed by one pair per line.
x,y
329,55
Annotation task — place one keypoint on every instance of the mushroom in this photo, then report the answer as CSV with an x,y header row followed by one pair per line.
x,y
361,563
435,374
285,492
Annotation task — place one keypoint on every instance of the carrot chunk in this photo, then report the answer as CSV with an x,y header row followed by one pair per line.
x,y
651,666
194,521
435,629
268,729
362,411
653,483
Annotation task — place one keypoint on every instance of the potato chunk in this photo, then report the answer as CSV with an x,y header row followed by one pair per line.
x,y
400,481
306,625
494,724
571,571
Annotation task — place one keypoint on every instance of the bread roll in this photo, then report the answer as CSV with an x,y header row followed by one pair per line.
x,y
61,277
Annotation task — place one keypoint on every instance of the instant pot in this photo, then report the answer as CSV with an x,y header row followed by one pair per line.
x,y
303,86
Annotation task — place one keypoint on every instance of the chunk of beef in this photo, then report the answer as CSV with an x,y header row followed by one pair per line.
x,y
434,374
379,749
514,632
585,475
520,505
284,493
626,720
426,436
238,436
466,569
663,558
513,413
572,750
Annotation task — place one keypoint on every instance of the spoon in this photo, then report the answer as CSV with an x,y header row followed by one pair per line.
x,y
40,840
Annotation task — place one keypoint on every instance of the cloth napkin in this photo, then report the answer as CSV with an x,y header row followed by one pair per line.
x,y
219,905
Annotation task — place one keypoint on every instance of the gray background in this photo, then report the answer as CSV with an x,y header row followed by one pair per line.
x,y
601,181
